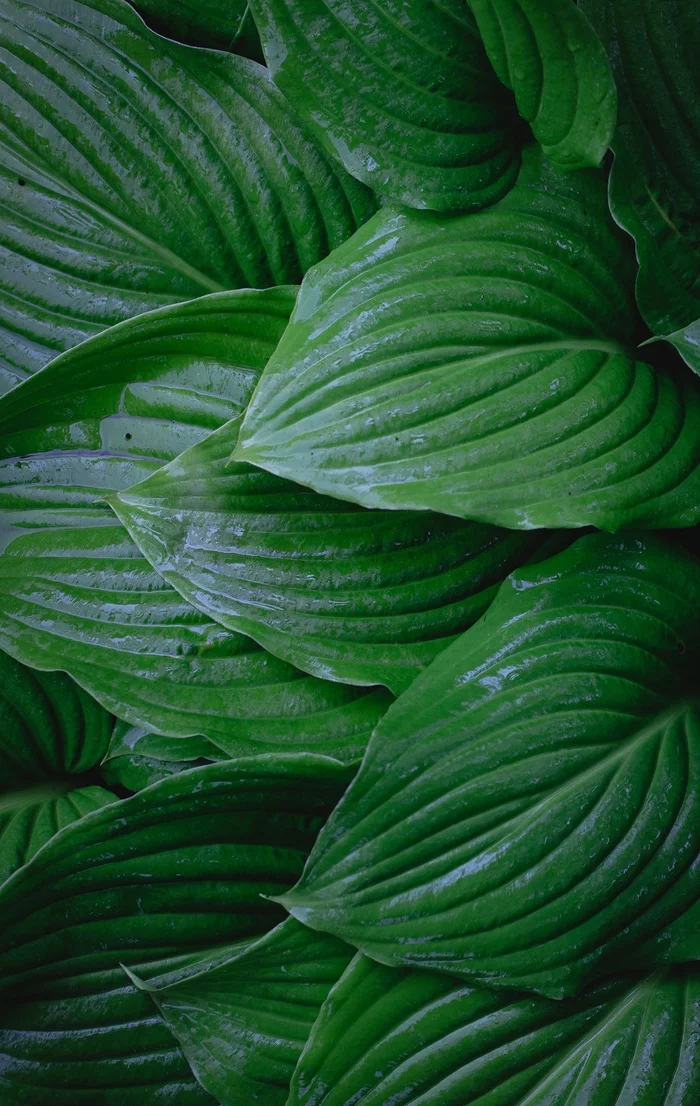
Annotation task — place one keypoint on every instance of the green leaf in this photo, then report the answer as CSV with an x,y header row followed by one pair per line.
x,y
137,172
30,818
655,179
185,865
548,53
49,726
242,1023
341,592
222,25
475,365
93,1038
136,758
402,93
406,1038
527,811
76,594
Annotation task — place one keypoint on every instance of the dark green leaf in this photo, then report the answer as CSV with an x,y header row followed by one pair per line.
x,y
92,1039
242,1022
136,172
548,53
76,594
30,818
410,1038
528,809
476,365
360,596
401,93
222,24
136,758
184,865
49,727
655,179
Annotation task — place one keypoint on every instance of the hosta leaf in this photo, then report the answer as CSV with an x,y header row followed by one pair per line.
x,y
91,1039
548,53
528,809
136,758
186,864
225,26
77,595
406,1038
655,179
401,93
242,1023
364,597
30,818
49,727
475,365
137,172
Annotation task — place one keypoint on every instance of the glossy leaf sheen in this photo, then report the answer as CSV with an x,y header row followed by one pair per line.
x,y
183,866
93,1038
528,809
138,172
49,727
655,179
476,365
360,596
406,1038
548,53
242,1023
76,594
400,92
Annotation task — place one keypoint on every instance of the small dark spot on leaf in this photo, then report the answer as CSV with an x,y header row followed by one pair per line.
x,y
21,180
680,646
128,437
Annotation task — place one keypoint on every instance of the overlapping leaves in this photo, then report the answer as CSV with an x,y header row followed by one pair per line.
x,y
77,594
480,365
527,810
137,172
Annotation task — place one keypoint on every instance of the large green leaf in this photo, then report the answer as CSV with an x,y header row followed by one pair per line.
x,y
185,865
548,53
476,365
401,93
527,810
49,727
92,1039
655,179
243,1021
136,172
410,1038
361,596
75,592
30,818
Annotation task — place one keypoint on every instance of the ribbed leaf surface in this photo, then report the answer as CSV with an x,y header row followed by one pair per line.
x,y
477,365
92,1039
548,53
137,172
77,595
528,809
655,180
136,758
361,596
182,866
243,1022
30,818
49,727
410,1038
400,92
